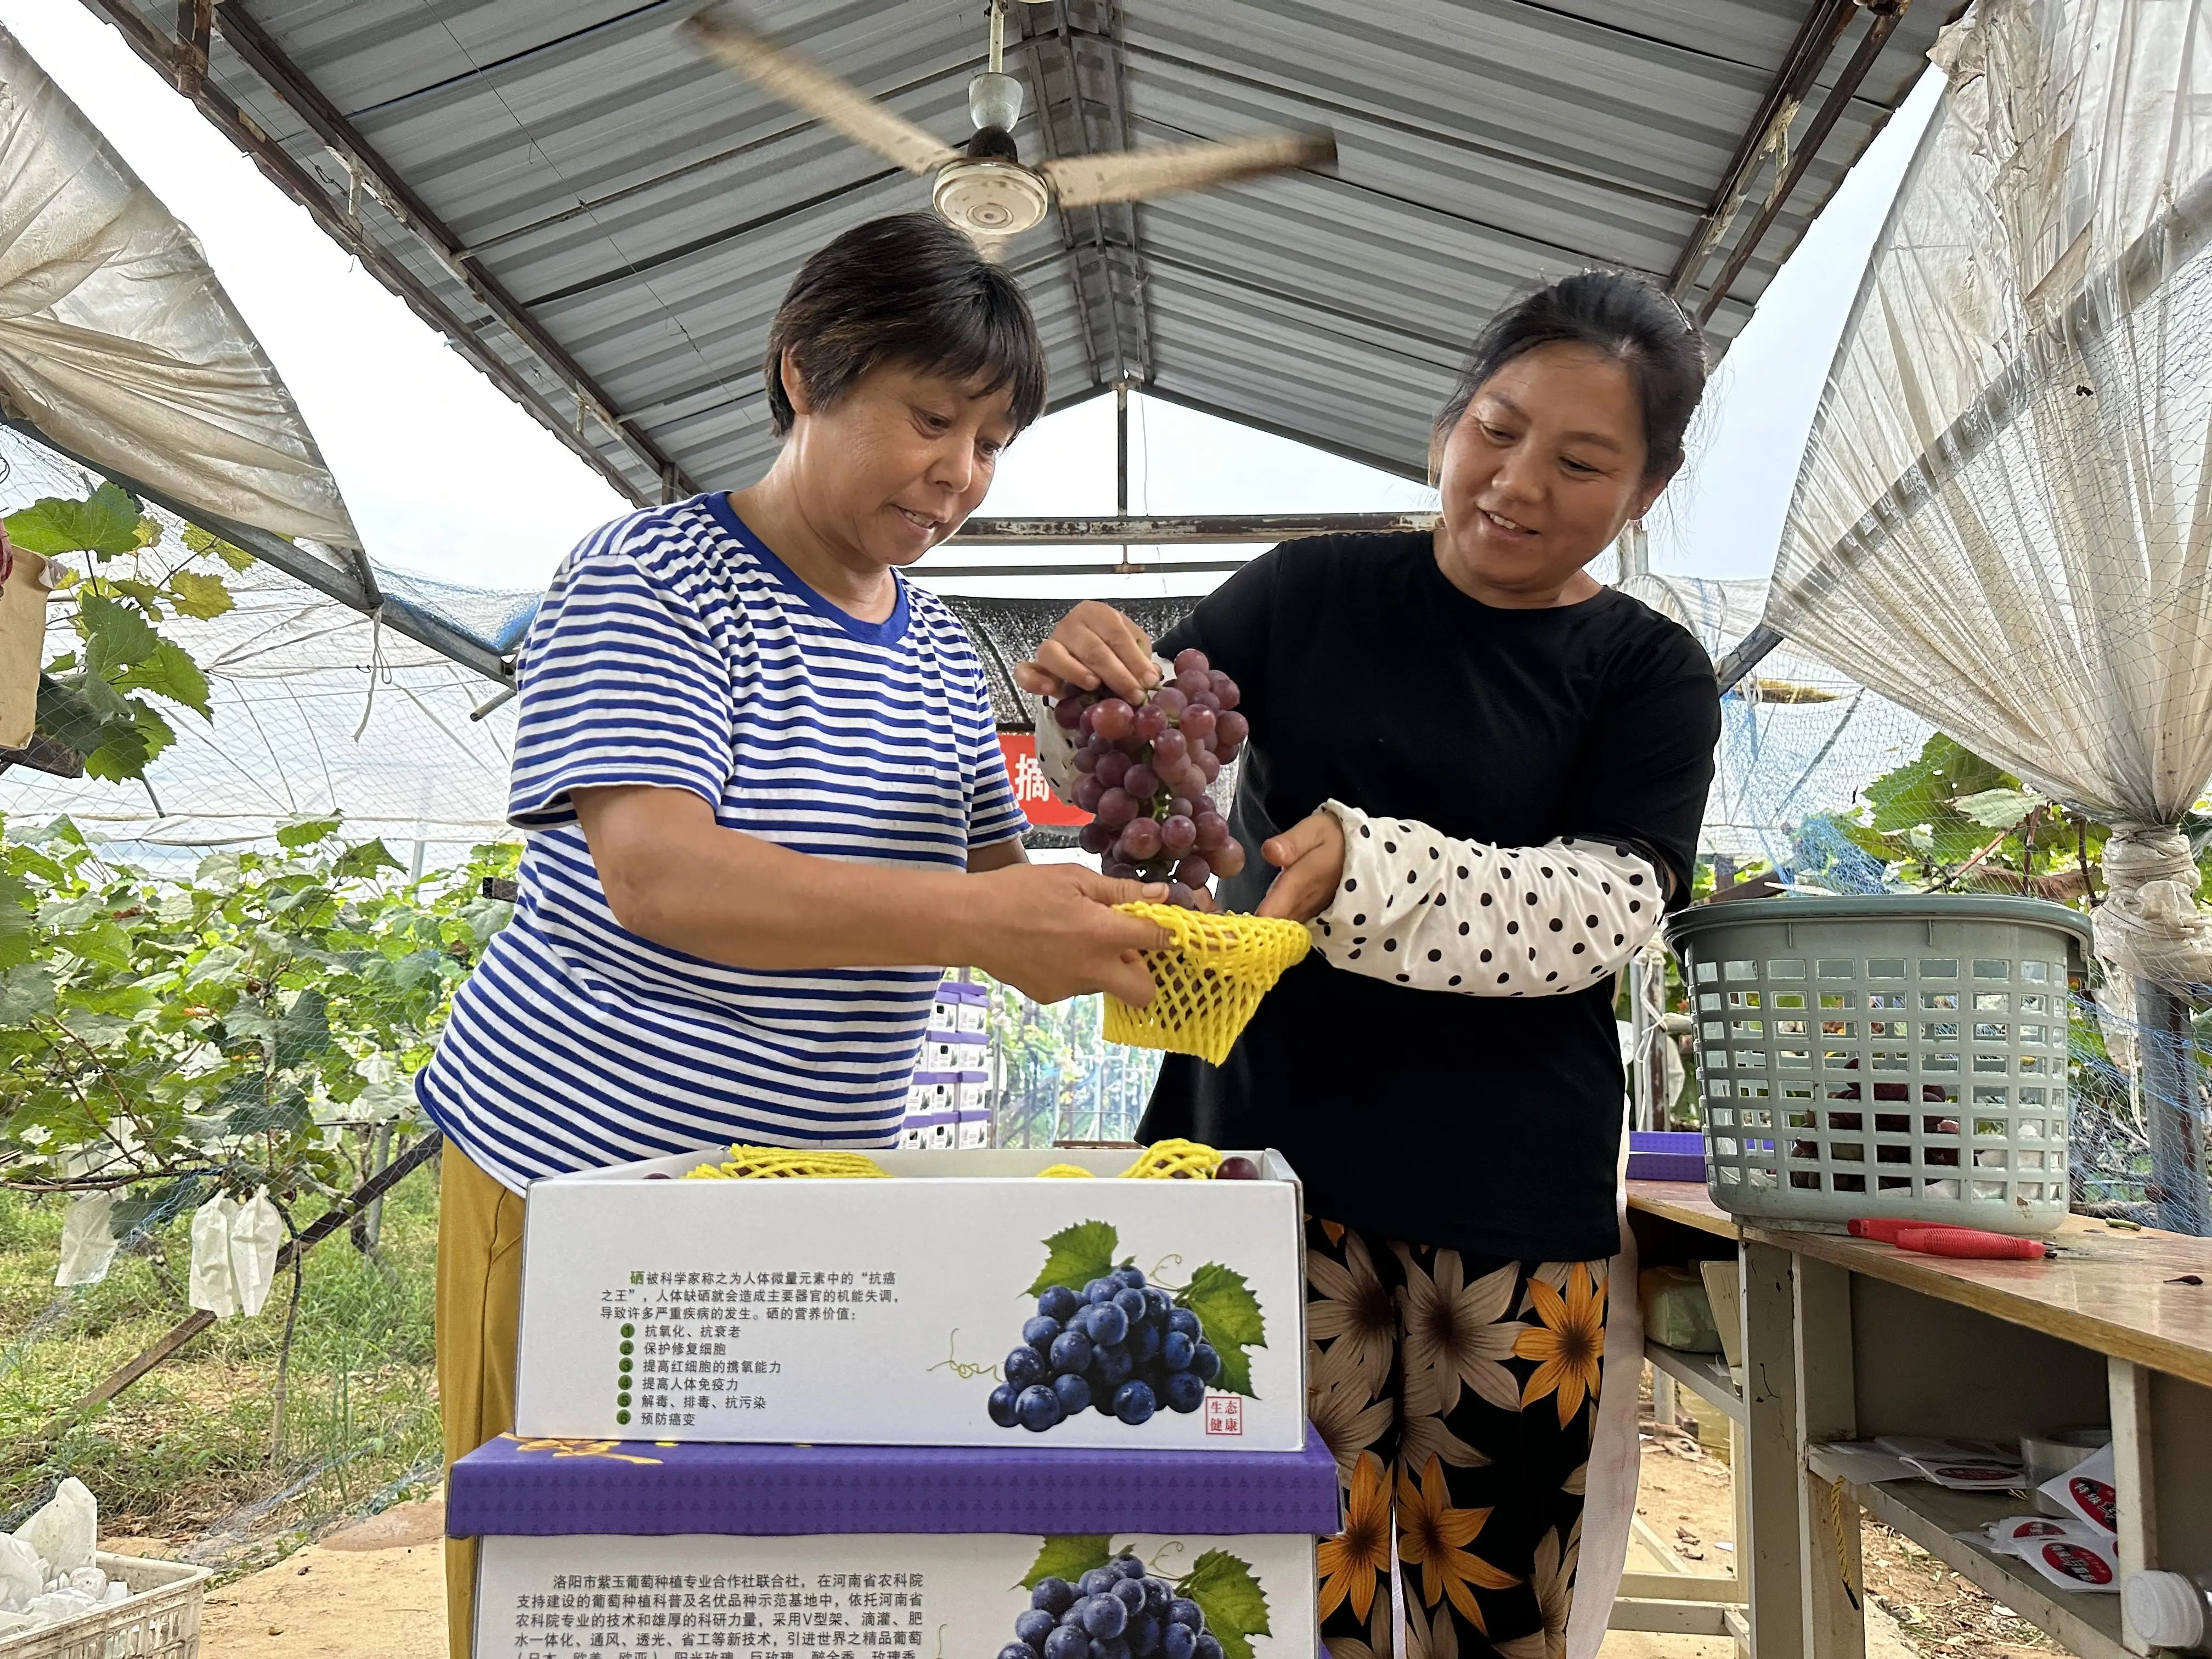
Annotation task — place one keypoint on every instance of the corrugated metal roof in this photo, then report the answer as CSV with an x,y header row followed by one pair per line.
x,y
596,210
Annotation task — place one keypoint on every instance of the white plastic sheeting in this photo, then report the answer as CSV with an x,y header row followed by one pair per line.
x,y
2003,520
117,341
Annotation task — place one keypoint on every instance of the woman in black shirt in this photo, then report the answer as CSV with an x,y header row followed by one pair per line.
x,y
1478,775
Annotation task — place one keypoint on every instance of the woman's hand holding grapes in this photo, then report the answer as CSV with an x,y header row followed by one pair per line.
x,y
1094,645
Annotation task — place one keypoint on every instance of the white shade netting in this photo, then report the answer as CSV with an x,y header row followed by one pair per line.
x,y
1799,740
2003,520
118,343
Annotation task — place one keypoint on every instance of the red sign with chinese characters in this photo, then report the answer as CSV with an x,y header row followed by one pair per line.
x,y
1031,793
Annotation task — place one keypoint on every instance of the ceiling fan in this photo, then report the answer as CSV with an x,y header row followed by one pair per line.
x,y
983,188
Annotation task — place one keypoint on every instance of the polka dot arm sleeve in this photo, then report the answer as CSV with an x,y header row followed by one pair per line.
x,y
1419,909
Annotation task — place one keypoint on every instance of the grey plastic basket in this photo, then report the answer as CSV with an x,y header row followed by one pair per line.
x,y
1901,1056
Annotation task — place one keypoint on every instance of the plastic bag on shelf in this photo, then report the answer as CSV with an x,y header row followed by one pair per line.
x,y
22,1574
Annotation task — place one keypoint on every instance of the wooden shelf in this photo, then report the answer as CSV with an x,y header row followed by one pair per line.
x,y
2088,1623
1704,1375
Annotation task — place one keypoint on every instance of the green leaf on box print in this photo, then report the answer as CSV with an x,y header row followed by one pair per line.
x,y
1235,1606
1076,1255
1231,1314
1068,1557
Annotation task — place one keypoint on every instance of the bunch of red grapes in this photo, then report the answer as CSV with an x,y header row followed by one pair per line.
x,y
1145,768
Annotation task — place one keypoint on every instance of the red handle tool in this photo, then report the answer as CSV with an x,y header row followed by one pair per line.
x,y
1971,1243
1884,1229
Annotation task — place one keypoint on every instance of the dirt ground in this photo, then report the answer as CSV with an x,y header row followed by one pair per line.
x,y
376,1590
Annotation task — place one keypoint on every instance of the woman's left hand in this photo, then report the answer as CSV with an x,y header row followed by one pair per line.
x,y
1310,855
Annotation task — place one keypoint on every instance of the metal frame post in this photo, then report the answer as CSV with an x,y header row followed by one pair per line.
x,y
2172,1099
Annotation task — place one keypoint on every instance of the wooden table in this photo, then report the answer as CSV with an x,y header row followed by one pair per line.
x,y
1846,1340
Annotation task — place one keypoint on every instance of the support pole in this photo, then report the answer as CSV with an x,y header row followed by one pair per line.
x,y
2173,1102
1121,458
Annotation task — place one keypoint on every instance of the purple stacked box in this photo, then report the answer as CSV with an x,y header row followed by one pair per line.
x,y
1661,1155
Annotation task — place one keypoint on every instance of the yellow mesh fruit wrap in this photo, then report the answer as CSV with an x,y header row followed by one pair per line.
x,y
1174,1160
1064,1172
1209,981
783,1162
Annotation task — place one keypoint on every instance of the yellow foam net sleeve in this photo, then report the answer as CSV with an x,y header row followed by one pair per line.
x,y
1174,1160
1064,1172
1209,981
784,1162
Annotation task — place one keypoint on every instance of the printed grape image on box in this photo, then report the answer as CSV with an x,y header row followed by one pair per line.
x,y
962,1301
901,1596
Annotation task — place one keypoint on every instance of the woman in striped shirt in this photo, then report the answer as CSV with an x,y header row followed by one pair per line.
x,y
763,799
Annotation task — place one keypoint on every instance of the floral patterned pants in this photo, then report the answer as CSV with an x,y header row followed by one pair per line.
x,y
1460,1392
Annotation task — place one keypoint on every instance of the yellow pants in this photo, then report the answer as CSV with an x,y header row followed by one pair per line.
x,y
479,1294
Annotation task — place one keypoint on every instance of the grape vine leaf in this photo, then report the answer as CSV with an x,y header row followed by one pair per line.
x,y
26,992
197,595
1068,1557
305,1030
167,672
1231,1314
1235,1606
206,541
1076,1255
116,635
304,831
109,521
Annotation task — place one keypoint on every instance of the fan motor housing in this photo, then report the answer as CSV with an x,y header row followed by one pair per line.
x,y
990,197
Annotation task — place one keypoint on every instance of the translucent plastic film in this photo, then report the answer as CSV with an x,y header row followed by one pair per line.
x,y
2003,520
117,341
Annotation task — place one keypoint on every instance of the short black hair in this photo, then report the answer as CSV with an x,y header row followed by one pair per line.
x,y
1626,316
909,289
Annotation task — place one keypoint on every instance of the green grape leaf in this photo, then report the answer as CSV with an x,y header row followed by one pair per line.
x,y
285,1114
1069,1557
1076,1255
124,751
1236,1371
103,943
76,711
116,635
26,992
170,672
1235,1606
15,918
197,594
206,541
1226,1307
1999,809
108,521
305,1030
305,829
366,859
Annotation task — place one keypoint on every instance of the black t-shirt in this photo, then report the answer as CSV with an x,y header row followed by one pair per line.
x,y
1489,1125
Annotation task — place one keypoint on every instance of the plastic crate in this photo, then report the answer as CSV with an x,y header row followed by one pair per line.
x,y
1884,1056
160,1620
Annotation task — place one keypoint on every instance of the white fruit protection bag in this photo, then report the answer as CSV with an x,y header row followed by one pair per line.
x,y
235,1254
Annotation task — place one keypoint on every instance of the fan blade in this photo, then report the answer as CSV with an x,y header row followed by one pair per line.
x,y
1136,174
799,83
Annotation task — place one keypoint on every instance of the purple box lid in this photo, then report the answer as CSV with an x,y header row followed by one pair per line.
x,y
1666,1155
541,1488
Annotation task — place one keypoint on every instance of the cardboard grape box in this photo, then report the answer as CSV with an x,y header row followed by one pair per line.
x,y
887,1312
633,1550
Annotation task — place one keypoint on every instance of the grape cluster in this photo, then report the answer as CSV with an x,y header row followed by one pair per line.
x,y
1118,1611
1143,769
1121,1348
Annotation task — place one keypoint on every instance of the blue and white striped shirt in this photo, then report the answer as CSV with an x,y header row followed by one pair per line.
x,y
676,650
